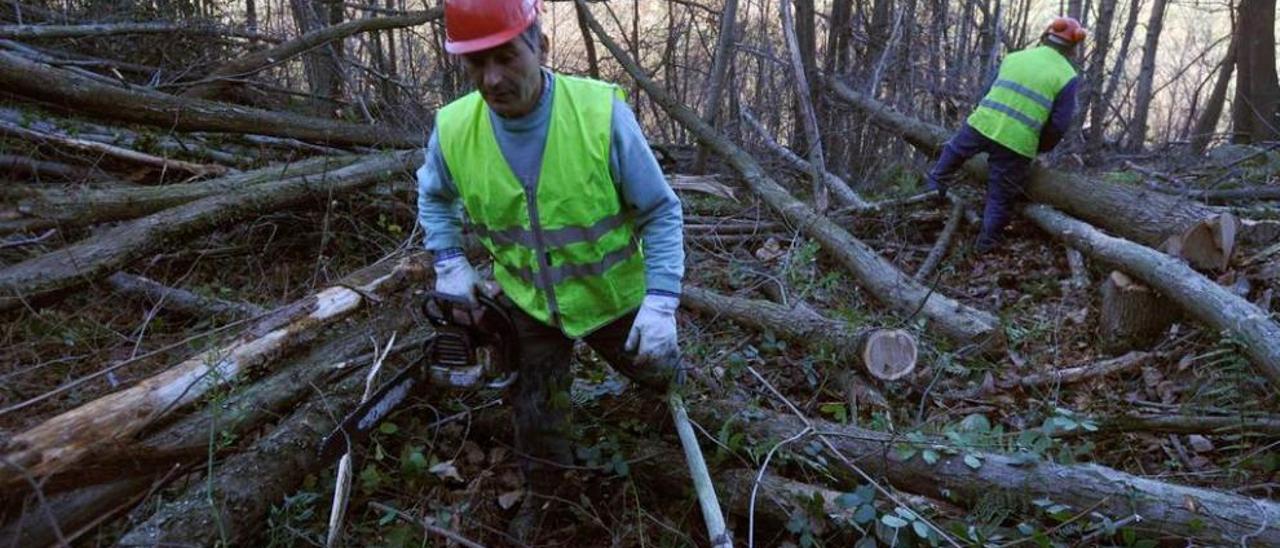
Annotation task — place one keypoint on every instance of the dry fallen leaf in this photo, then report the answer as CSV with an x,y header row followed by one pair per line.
x,y
510,498
770,251
446,470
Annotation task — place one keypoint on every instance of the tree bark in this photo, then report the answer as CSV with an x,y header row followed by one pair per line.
x,y
1257,96
1097,134
37,208
1146,77
960,322
809,120
1135,213
726,42
119,154
1132,315
62,441
220,80
1207,123
939,250
246,485
178,300
1187,512
44,83
39,169
1101,43
104,253
1198,296
884,353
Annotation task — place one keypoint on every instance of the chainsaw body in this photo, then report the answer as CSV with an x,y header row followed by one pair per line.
x,y
473,348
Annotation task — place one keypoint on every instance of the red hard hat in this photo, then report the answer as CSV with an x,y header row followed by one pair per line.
x,y
1066,30
475,25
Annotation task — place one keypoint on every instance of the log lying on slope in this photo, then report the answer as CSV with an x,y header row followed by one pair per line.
x,y
248,484
40,207
1197,295
61,441
887,354
1139,214
217,81
111,151
110,250
1165,508
44,83
128,471
179,300
960,322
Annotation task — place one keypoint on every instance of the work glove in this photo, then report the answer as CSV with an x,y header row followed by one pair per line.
x,y
454,276
653,334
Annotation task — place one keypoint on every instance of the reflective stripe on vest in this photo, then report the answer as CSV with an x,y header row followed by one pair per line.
x,y
1020,101
564,248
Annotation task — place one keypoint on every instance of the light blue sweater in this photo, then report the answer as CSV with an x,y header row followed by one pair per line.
x,y
636,174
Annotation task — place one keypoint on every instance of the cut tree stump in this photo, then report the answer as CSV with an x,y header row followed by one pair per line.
x,y
1197,296
1133,317
1207,245
886,354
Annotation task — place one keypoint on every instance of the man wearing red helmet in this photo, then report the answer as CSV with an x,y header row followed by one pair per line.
x,y
1026,110
559,185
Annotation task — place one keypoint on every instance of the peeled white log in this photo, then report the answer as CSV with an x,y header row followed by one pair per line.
x,y
61,441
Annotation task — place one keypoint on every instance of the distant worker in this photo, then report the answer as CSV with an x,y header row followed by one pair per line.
x,y
559,185
1026,110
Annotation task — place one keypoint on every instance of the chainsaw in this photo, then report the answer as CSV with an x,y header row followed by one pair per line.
x,y
473,348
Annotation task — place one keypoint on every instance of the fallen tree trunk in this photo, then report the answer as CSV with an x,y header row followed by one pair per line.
x,y
217,81
62,441
887,354
1187,512
960,322
38,207
1080,373
23,165
1197,295
1135,213
112,151
186,440
1189,424
49,32
44,83
178,300
111,250
246,485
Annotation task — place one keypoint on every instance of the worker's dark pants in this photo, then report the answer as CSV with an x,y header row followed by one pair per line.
x,y
541,407
1006,178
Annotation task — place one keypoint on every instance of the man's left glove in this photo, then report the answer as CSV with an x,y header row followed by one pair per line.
x,y
653,334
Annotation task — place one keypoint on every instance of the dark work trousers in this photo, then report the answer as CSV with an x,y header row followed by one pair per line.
x,y
541,408
1006,178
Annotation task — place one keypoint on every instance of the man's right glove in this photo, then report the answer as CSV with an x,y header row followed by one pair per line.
x,y
454,276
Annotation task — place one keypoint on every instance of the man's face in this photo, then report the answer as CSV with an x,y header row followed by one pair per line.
x,y
508,77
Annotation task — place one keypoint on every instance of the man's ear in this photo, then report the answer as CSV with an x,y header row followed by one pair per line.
x,y
544,44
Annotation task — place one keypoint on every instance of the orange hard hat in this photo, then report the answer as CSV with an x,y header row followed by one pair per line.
x,y
475,25
1065,31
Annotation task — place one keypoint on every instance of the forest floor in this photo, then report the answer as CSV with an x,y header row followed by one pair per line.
x,y
450,460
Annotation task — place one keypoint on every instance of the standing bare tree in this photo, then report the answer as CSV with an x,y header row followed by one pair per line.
x,y
1257,90
1146,77
1207,123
